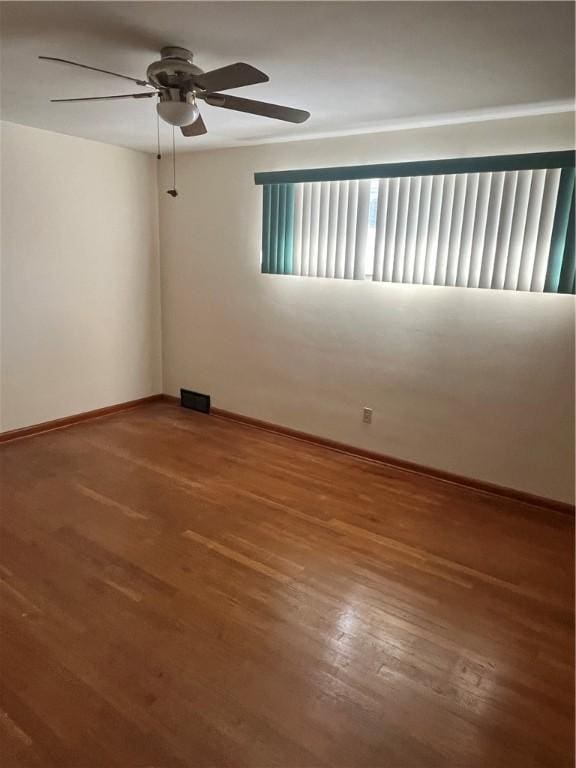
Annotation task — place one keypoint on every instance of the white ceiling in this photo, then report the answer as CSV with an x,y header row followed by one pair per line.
x,y
357,67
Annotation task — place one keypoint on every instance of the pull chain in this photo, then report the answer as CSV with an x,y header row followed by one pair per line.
x,y
158,155
173,192
173,158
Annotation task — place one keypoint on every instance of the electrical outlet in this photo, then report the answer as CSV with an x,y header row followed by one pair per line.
x,y
367,415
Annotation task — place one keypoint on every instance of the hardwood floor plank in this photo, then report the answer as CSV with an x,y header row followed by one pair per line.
x,y
177,590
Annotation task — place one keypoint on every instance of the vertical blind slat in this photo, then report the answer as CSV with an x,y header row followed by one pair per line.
x,y
411,229
306,228
380,237
332,229
351,219
545,229
341,231
289,231
401,227
504,228
323,228
491,233
468,220
266,194
314,229
281,230
361,229
444,234
479,232
274,228
533,216
423,228
391,218
455,238
298,212
434,229
518,230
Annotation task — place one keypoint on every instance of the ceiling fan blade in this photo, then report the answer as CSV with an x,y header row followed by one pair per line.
x,y
262,108
145,95
232,76
96,69
197,128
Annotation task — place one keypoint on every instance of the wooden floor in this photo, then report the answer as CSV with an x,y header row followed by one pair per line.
x,y
182,590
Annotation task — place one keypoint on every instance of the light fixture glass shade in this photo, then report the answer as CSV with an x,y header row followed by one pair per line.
x,y
178,112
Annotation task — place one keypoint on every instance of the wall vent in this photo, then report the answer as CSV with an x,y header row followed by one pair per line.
x,y
195,400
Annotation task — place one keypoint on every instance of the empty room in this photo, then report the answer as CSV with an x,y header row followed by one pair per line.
x,y
287,352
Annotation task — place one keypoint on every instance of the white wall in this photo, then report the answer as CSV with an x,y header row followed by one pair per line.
x,y
80,325
476,382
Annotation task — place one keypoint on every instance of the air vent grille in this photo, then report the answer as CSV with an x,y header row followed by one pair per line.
x,y
195,401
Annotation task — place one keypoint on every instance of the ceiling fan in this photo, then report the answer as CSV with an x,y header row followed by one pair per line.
x,y
178,84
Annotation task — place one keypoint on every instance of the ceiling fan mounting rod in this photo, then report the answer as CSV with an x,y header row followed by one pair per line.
x,y
175,52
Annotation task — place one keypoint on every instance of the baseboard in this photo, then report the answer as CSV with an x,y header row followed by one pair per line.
x,y
68,421
407,466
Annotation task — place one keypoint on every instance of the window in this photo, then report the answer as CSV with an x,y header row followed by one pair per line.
x,y
503,222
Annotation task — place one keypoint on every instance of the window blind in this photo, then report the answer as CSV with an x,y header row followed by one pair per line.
x,y
488,223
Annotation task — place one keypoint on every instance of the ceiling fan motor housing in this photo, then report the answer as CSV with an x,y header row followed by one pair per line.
x,y
174,70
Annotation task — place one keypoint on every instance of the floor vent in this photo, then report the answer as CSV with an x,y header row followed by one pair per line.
x,y
195,400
